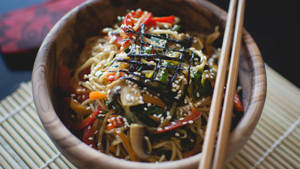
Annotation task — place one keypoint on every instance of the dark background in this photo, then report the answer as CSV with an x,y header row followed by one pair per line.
x,y
273,24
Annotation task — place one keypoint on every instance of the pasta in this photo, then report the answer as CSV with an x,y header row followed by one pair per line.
x,y
142,91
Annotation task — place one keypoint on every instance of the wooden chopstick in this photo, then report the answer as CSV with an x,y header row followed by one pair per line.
x,y
225,123
214,114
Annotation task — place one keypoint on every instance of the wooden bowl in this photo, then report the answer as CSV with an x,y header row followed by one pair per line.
x,y
65,41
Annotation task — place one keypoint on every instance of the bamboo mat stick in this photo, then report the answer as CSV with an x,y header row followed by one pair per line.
x,y
225,123
5,159
12,154
42,148
34,150
25,119
210,134
18,147
62,162
25,93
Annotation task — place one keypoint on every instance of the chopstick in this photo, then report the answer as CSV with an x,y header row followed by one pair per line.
x,y
226,117
214,114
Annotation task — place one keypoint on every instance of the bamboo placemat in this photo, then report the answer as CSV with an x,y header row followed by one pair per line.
x,y
275,142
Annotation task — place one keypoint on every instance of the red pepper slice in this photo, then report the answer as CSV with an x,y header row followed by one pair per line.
x,y
115,121
148,20
112,76
131,18
89,120
238,106
166,19
88,136
178,123
125,44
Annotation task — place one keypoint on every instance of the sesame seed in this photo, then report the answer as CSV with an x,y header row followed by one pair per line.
x,y
177,134
131,98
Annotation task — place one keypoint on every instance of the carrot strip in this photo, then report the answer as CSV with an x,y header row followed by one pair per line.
x,y
126,144
97,95
77,107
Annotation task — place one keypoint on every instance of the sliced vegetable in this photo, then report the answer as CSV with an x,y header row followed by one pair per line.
x,y
148,49
88,136
115,121
153,100
178,123
130,96
166,19
238,106
126,144
94,95
77,107
89,120
112,76
137,134
176,28
164,77
134,19
149,74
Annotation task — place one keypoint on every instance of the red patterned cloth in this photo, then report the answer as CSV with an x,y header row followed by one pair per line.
x,y
23,30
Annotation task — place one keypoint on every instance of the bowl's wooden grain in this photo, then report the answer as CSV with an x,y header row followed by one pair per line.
x,y
65,41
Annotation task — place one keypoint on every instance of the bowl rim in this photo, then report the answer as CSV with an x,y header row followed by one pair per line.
x,y
70,144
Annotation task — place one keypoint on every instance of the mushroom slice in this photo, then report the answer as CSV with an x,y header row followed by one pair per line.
x,y
131,96
137,140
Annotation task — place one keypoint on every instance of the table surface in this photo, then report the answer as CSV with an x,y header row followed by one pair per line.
x,y
274,26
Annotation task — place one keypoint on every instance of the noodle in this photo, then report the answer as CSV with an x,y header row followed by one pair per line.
x,y
145,76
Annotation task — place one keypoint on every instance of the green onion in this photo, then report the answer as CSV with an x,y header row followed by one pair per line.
x,y
164,76
127,50
176,28
148,49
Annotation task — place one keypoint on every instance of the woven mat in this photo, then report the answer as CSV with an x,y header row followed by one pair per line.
x,y
275,142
